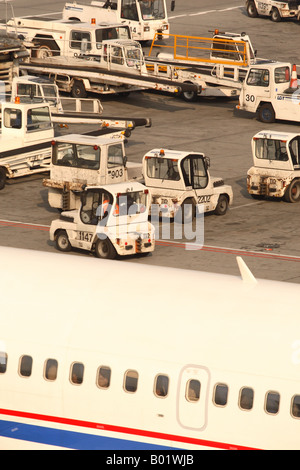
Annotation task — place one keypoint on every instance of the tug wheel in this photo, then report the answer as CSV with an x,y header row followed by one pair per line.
x,y
104,249
292,193
62,242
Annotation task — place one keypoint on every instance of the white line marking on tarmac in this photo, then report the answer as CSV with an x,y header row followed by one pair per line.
x,y
205,12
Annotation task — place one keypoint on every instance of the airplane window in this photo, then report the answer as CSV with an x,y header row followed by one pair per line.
x,y
193,390
3,362
246,398
221,394
161,385
295,409
131,381
50,372
77,370
25,366
272,402
103,377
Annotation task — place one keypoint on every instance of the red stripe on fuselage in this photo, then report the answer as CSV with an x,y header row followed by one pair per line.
x,y
123,430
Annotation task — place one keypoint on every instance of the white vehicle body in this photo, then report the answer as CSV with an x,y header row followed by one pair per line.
x,y
181,180
144,17
217,65
275,9
238,337
83,160
112,220
276,166
68,109
25,139
266,91
52,37
119,67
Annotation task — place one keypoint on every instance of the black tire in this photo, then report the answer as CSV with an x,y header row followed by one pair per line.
x,y
189,96
222,205
62,242
45,48
292,193
104,249
275,15
187,212
251,10
266,113
78,90
2,178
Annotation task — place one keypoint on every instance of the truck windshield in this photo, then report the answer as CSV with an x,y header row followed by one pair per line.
x,y
271,149
162,168
76,155
33,91
152,9
134,56
120,32
258,77
131,203
38,119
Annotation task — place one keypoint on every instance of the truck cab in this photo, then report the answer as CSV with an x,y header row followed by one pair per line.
x,y
264,92
82,160
120,54
144,17
232,47
25,139
23,124
53,37
275,9
276,166
111,220
39,89
181,180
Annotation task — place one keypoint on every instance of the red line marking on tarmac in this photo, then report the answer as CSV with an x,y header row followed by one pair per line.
x,y
194,247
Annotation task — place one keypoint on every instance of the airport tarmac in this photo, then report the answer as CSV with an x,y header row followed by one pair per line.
x,y
265,233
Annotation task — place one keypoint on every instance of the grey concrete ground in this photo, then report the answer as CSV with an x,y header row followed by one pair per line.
x,y
265,233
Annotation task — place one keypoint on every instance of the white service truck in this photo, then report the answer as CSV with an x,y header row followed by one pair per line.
x,y
144,17
276,166
181,180
79,161
52,37
68,110
217,65
111,220
25,140
275,9
118,68
267,91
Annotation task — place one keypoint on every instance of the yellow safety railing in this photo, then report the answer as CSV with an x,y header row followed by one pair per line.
x,y
198,49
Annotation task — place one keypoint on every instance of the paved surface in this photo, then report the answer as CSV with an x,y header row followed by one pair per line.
x,y
265,233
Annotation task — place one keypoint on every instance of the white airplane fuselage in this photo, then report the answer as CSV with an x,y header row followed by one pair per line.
x,y
141,322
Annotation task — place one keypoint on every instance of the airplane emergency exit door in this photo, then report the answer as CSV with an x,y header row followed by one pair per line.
x,y
192,397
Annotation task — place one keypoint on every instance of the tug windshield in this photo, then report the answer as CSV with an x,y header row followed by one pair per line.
x,y
131,203
152,9
271,149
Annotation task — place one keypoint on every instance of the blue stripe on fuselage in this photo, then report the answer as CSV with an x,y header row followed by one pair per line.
x,y
69,439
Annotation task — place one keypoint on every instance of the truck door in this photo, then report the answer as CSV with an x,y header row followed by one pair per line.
x,y
192,398
263,8
256,88
80,41
116,171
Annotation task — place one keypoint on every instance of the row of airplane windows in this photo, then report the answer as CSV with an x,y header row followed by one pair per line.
x,y
161,385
